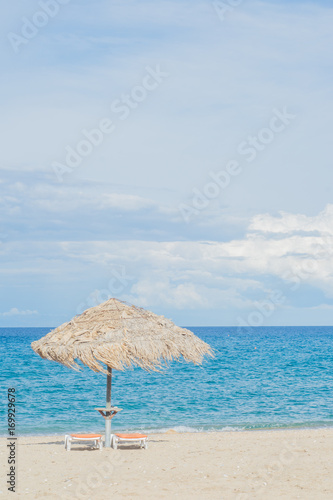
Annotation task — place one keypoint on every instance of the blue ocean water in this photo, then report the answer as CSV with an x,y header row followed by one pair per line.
x,y
265,377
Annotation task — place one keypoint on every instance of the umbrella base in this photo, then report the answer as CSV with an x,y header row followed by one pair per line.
x,y
108,413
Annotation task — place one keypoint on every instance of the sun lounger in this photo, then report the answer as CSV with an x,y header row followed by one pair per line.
x,y
96,439
140,439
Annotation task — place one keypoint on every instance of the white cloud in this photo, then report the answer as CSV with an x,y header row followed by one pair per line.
x,y
125,202
157,292
58,199
189,295
192,276
290,223
204,274
16,312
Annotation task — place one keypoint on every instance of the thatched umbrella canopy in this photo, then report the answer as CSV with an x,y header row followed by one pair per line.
x,y
120,336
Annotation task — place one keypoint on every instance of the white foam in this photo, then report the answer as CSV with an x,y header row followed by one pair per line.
x,y
183,429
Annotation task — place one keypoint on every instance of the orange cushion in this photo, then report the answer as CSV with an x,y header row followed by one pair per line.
x,y
131,436
92,436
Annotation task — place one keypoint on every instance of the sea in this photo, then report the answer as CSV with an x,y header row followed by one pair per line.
x,y
260,378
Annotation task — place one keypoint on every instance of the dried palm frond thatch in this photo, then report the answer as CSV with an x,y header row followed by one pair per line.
x,y
120,336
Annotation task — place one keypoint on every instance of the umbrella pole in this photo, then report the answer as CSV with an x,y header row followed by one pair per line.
x,y
108,405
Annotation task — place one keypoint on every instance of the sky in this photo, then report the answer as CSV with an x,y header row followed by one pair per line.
x,y
172,154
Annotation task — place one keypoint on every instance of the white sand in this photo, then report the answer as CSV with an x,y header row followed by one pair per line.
x,y
227,465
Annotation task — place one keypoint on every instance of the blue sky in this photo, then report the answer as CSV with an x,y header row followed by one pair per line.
x,y
255,249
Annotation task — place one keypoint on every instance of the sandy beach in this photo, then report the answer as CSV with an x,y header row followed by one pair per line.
x,y
286,464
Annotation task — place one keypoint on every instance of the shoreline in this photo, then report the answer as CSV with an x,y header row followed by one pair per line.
x,y
184,430
279,464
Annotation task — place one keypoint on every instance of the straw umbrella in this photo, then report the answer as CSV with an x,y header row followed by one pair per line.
x,y
121,336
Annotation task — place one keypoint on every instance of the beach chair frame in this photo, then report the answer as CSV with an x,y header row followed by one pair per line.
x,y
118,439
96,440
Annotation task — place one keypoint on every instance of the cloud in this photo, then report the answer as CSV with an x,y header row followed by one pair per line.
x,y
168,292
186,277
97,211
16,312
291,223
210,274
